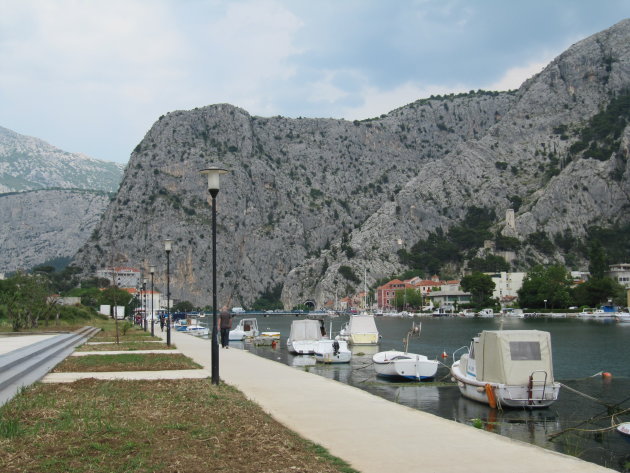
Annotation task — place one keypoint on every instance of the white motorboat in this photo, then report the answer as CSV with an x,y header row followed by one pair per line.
x,y
191,327
246,328
360,330
516,313
485,313
622,317
332,351
402,364
624,428
304,336
508,368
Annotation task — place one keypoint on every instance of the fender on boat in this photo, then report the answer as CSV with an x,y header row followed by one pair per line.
x,y
492,401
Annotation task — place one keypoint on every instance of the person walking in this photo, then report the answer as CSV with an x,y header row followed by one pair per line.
x,y
225,324
162,322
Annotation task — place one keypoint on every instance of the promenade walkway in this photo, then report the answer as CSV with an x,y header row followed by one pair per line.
x,y
370,433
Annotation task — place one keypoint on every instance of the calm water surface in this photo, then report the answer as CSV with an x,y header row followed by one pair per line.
x,y
581,350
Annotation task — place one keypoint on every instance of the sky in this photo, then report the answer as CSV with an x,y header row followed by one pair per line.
x,y
92,76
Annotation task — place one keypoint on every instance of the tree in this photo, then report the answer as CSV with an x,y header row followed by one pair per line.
x,y
183,306
406,298
114,296
551,284
597,260
26,299
480,286
597,291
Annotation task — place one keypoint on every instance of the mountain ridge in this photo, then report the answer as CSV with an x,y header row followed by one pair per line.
x,y
307,196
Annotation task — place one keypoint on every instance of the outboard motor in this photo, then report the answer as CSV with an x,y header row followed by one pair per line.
x,y
335,346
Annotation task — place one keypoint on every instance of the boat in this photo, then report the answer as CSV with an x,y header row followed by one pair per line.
x,y
507,368
515,313
246,328
622,317
267,338
442,312
304,336
360,330
485,313
332,351
624,428
466,313
402,364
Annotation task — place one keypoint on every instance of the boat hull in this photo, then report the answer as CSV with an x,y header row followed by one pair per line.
x,y
504,395
411,366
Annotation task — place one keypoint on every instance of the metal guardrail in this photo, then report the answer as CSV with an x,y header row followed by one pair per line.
x,y
24,366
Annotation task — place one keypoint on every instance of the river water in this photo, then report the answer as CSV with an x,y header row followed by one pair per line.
x,y
581,351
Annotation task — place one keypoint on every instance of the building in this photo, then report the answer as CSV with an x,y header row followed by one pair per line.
x,y
620,273
386,294
449,297
121,277
506,286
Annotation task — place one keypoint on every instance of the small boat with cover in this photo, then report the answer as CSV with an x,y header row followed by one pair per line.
x,y
360,330
507,368
304,336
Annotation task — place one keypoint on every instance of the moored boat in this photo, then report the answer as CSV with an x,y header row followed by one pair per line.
x,y
246,328
402,364
360,330
332,351
304,336
508,368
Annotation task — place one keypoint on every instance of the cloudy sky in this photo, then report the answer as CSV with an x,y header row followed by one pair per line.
x,y
92,76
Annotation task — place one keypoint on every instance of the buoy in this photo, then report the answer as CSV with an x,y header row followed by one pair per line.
x,y
444,355
273,344
606,375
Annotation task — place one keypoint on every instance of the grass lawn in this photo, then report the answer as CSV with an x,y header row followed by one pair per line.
x,y
126,362
149,426
125,346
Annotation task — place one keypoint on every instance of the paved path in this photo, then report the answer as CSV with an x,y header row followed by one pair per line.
x,y
14,341
370,433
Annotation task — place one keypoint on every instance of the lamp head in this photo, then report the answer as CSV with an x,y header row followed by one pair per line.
x,y
152,270
168,245
213,174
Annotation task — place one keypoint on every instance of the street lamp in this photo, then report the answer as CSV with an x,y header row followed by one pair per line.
x,y
213,174
144,293
168,246
152,271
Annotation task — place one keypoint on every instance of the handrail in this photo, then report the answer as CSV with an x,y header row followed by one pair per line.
x,y
465,347
530,386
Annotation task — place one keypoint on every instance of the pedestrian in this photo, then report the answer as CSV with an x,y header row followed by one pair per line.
x,y
225,324
162,322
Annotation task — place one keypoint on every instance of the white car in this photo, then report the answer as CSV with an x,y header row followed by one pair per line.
x,y
237,310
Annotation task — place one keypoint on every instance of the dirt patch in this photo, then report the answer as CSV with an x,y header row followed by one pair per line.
x,y
149,426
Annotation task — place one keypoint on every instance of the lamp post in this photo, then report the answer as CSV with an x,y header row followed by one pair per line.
x,y
213,174
144,294
152,271
168,246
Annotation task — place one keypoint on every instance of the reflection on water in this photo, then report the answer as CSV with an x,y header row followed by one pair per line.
x,y
580,350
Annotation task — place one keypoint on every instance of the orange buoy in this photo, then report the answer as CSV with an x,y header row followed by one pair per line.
x,y
606,375
444,355
273,344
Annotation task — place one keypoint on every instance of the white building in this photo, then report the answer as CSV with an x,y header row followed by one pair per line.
x,y
506,285
620,273
121,277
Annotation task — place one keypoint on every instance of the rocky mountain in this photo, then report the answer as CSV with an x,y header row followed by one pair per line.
x,y
40,226
310,204
28,163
